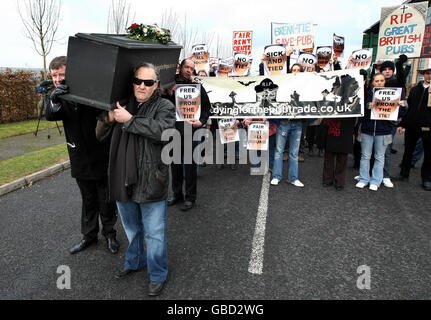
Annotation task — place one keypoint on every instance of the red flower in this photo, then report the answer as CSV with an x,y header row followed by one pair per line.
x,y
169,31
133,26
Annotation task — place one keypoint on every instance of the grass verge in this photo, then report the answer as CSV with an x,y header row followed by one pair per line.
x,y
22,127
24,165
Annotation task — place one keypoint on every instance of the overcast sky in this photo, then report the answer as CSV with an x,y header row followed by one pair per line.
x,y
348,18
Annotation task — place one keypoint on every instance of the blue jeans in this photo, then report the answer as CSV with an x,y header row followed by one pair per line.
x,y
146,220
292,130
387,166
367,142
418,153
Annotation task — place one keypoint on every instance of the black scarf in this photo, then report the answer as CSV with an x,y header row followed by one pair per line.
x,y
123,168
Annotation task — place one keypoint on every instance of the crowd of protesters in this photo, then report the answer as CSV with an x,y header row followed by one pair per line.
x,y
370,141
116,155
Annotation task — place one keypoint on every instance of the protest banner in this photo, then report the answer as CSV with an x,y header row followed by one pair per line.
x,y
200,57
224,69
293,35
242,42
402,30
360,59
324,54
338,46
228,132
426,43
275,56
386,103
258,136
188,101
241,65
301,95
308,61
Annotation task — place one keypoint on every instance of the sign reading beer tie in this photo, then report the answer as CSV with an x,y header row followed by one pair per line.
x,y
386,104
308,61
338,46
228,132
242,42
258,135
188,102
242,65
293,35
275,59
323,56
200,57
360,59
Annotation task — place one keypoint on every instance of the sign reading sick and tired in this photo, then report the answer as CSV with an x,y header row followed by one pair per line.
x,y
275,57
242,42
386,104
402,30
293,35
188,102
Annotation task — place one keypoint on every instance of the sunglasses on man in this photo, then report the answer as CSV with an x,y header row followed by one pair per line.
x,y
147,83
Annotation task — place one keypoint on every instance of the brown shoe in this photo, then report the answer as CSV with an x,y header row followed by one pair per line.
x,y
301,158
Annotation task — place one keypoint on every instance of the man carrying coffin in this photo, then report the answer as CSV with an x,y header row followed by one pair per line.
x,y
417,123
88,161
189,172
138,178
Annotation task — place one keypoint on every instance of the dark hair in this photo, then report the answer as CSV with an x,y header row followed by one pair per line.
x,y
57,63
301,68
150,66
184,61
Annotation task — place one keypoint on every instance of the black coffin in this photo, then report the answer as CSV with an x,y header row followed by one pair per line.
x,y
100,67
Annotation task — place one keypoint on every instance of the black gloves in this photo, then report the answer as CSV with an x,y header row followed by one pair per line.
x,y
403,58
60,90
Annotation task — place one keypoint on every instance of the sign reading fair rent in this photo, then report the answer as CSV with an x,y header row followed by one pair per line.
x,y
402,30
293,35
242,42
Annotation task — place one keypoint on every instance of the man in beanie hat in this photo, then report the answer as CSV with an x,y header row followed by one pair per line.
x,y
397,80
417,123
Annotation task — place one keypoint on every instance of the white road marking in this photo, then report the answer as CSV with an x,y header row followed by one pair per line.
x,y
256,260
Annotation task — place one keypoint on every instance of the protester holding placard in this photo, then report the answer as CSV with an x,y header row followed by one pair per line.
x,y
185,76
229,137
417,124
377,133
273,123
393,80
292,129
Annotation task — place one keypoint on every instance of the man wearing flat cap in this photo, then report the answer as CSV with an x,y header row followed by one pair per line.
x,y
417,124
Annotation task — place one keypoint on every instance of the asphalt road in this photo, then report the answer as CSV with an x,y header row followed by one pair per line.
x,y
315,239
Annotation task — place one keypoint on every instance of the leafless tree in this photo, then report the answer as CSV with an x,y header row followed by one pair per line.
x,y
119,16
170,21
40,19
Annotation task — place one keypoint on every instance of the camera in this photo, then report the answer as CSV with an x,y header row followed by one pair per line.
x,y
44,86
